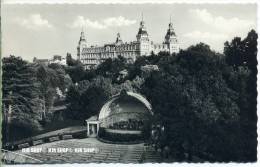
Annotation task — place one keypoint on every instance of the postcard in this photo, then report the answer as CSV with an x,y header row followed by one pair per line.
x,y
129,83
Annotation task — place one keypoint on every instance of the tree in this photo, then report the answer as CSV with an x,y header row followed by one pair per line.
x,y
75,69
92,101
87,97
234,52
242,54
191,98
20,91
250,43
63,80
111,68
76,72
49,81
73,99
70,61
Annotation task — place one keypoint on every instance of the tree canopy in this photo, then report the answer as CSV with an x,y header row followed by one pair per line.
x,y
21,92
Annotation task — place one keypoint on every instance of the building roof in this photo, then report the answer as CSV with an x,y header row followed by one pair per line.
x,y
170,32
142,32
93,118
142,29
41,60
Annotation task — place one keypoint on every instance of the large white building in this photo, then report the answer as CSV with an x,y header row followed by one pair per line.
x,y
56,59
91,56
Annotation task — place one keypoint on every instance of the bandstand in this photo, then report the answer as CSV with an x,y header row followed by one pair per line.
x,y
126,114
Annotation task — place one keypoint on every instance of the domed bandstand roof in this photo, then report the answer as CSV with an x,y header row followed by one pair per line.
x,y
106,109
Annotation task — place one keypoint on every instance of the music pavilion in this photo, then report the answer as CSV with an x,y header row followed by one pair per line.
x,y
125,114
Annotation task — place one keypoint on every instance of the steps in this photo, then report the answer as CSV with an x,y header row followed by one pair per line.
x,y
104,152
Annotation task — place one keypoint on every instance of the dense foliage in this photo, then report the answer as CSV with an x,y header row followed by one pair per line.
x,y
207,102
86,98
192,98
21,101
51,78
29,91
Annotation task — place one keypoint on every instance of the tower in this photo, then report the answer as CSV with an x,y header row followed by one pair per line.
x,y
143,39
171,39
82,44
118,39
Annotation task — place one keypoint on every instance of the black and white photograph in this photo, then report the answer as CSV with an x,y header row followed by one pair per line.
x,y
129,83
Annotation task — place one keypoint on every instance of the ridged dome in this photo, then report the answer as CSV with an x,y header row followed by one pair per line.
x,y
128,103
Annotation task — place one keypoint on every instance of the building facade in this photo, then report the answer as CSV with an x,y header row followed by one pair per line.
x,y
91,56
56,59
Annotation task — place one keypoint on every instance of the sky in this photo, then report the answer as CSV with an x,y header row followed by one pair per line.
x,y
45,30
